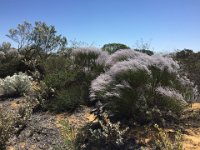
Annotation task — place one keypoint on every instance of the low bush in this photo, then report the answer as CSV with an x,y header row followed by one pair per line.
x,y
102,133
69,134
109,133
70,90
13,121
164,142
10,63
16,85
6,127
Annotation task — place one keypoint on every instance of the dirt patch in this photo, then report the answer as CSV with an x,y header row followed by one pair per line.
x,y
191,136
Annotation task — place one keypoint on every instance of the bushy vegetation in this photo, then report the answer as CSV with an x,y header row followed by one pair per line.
x,y
164,142
16,85
109,133
190,64
6,126
13,121
136,84
127,85
69,75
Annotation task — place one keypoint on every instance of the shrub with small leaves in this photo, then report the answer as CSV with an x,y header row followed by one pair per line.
x,y
13,121
16,85
6,126
163,141
69,134
110,133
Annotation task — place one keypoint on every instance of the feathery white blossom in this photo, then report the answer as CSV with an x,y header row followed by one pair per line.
x,y
100,84
131,65
165,91
158,61
86,51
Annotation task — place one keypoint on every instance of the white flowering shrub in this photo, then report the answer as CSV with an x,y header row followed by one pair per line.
x,y
16,85
135,83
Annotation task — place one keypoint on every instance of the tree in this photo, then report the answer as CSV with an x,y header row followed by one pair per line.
x,y
113,47
22,34
45,37
5,46
144,47
41,35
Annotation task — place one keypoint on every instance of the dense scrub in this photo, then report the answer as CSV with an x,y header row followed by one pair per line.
x,y
190,64
125,86
136,85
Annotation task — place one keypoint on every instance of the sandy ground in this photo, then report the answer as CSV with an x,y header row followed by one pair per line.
x,y
191,134
191,138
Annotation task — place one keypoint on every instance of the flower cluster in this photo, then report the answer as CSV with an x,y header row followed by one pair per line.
x,y
165,91
156,60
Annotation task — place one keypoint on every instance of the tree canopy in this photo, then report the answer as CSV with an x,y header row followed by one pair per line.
x,y
41,35
113,47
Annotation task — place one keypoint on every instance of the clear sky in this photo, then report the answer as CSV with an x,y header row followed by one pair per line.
x,y
167,24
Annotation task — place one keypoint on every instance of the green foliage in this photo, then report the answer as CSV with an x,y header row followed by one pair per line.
x,y
190,64
6,127
102,133
69,134
10,67
163,141
5,46
110,133
146,51
66,81
45,37
41,35
69,75
67,100
113,47
21,35
13,121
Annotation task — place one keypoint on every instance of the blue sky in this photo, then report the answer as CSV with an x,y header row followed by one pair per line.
x,y
167,24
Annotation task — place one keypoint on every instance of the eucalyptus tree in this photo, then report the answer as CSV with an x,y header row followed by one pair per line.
x,y
40,35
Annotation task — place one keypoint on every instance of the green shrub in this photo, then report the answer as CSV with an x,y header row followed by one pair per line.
x,y
6,127
70,77
11,64
110,133
70,90
13,121
163,141
102,133
67,99
69,134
